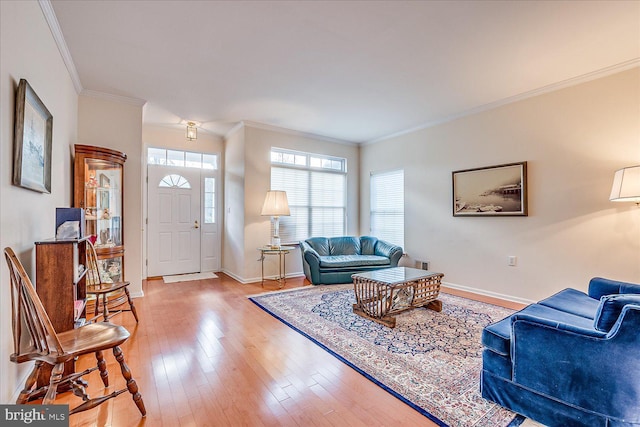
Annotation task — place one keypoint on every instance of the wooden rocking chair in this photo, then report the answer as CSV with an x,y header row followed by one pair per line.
x,y
95,286
46,346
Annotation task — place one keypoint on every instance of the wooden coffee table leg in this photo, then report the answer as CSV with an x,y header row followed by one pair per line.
x,y
435,305
388,321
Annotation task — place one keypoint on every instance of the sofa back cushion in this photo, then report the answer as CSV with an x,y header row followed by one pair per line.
x,y
344,245
368,245
610,308
320,245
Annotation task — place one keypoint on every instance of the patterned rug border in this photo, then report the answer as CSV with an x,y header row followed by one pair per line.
x,y
517,421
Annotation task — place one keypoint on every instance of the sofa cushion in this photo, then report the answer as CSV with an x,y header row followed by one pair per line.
x,y
319,244
344,246
610,308
368,245
335,261
574,302
497,336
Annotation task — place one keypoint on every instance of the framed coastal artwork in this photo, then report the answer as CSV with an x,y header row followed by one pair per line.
x,y
491,191
32,143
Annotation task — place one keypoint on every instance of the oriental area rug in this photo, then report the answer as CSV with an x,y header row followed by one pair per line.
x,y
430,360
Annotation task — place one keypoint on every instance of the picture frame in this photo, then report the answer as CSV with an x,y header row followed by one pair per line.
x,y
499,190
32,141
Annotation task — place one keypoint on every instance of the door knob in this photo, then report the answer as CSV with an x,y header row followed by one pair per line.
x,y
196,225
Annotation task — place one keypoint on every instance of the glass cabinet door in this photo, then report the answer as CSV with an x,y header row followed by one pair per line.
x,y
103,202
110,269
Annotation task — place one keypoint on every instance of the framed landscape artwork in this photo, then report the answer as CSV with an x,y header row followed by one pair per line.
x,y
32,143
491,191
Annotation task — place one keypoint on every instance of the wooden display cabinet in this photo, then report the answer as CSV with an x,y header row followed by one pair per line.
x,y
98,188
61,286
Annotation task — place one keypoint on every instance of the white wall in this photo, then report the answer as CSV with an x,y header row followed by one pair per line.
x,y
234,194
174,138
118,125
573,140
256,180
27,50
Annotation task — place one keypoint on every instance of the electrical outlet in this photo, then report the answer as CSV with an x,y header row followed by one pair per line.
x,y
512,261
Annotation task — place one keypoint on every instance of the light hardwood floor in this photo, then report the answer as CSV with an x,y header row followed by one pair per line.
x,y
204,355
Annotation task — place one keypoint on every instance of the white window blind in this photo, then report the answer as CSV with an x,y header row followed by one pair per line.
x,y
317,198
387,206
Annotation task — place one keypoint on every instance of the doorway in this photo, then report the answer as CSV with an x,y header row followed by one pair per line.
x,y
182,218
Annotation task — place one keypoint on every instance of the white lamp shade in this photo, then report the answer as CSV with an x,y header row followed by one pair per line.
x,y
276,204
626,185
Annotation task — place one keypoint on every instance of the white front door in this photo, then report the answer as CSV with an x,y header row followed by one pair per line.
x,y
174,220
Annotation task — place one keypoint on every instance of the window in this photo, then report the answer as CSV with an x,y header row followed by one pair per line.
x,y
209,200
174,181
387,206
316,192
160,156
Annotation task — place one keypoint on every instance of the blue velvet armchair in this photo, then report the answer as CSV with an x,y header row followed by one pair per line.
x,y
572,359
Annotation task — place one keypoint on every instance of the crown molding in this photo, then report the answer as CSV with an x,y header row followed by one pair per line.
x,y
264,126
603,72
115,98
56,32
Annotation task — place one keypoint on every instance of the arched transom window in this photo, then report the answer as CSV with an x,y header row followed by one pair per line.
x,y
174,181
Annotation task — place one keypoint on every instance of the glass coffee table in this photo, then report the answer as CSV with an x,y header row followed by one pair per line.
x,y
382,293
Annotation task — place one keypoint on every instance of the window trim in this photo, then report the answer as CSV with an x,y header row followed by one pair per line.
x,y
310,170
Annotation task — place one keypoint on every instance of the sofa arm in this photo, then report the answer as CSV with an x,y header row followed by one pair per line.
x,y
310,262
588,370
598,287
310,255
385,249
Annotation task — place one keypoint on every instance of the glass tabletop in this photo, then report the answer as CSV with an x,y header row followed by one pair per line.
x,y
396,275
278,249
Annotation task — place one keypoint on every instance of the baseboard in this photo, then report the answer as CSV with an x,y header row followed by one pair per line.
x,y
137,294
235,276
488,293
21,382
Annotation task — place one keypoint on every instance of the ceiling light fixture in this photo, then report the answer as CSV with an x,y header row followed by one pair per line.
x,y
192,131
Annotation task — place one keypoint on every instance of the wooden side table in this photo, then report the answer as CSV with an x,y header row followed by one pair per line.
x,y
281,252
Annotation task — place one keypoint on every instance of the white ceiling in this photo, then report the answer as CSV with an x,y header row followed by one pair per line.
x,y
352,70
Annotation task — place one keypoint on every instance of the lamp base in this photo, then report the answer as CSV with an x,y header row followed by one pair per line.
x,y
275,242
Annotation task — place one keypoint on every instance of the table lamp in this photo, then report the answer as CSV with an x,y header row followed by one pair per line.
x,y
626,185
275,206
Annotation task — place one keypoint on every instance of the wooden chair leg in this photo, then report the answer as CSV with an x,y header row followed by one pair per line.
x,y
133,307
96,309
102,366
131,383
56,377
29,383
105,310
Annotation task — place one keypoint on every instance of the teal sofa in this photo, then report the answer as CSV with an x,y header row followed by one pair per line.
x,y
331,260
570,360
